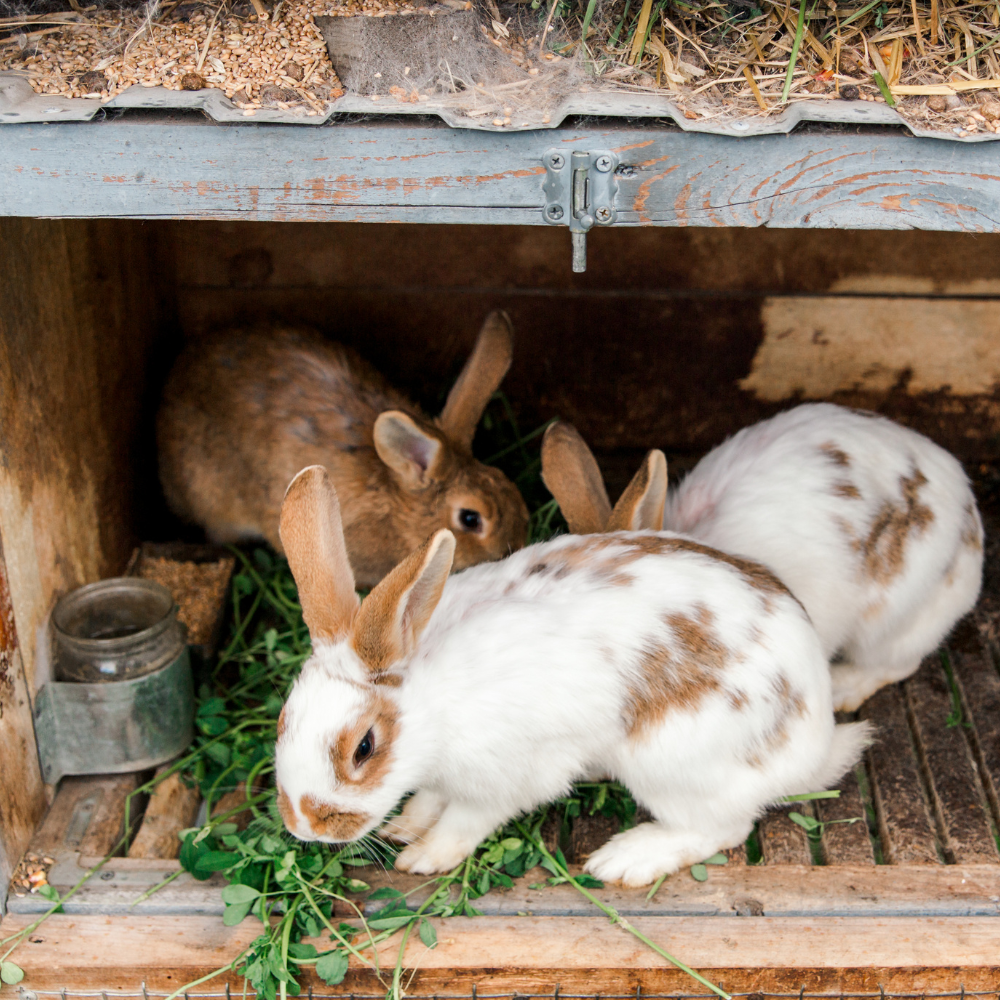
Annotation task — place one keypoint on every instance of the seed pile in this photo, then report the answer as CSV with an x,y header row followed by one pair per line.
x,y
936,61
31,874
255,62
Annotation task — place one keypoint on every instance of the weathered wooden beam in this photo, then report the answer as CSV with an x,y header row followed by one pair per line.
x,y
149,165
904,822
537,955
22,796
956,795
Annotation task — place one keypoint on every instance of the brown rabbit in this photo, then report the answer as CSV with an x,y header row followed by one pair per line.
x,y
243,411
571,475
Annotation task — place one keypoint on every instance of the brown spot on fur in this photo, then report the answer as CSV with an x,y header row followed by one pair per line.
x,y
285,808
677,675
791,705
738,700
623,550
282,721
846,490
972,532
382,719
835,454
325,821
884,548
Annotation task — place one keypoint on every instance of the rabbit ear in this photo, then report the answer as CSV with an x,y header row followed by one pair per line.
x,y
312,536
480,378
394,614
641,505
410,452
571,475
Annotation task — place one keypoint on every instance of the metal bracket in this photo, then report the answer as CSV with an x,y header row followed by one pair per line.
x,y
580,193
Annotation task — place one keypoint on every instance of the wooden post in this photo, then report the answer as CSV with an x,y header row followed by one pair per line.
x,y
77,321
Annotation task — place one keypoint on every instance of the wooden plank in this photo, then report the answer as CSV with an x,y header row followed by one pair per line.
x,y
690,338
782,890
239,258
845,843
87,815
172,807
979,684
950,772
80,307
534,955
22,795
904,822
150,166
783,842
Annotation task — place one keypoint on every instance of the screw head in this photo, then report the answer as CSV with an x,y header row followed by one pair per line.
x,y
603,163
557,161
603,214
554,211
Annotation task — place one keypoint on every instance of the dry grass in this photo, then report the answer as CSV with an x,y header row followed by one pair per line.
x,y
937,61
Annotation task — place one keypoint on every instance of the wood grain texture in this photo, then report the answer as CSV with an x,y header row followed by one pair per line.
x,y
905,826
535,954
956,795
312,256
172,807
783,890
979,684
22,795
76,328
142,166
87,815
783,842
845,843
653,347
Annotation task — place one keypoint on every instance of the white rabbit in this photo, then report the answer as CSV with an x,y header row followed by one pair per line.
x,y
872,526
692,677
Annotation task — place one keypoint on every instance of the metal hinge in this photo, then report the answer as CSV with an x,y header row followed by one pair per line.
x,y
580,193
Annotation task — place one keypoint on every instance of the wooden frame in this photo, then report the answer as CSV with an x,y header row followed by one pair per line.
x,y
80,290
147,165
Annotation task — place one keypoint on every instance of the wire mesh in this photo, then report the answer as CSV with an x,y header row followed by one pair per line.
x,y
144,994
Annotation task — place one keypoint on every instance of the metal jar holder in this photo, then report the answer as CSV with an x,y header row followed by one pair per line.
x,y
123,699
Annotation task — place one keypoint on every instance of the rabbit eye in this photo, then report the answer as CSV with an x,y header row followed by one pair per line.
x,y
365,749
470,520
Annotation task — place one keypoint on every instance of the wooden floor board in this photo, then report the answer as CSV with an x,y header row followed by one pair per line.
x,y
979,684
87,815
783,842
845,843
949,769
172,807
537,954
905,826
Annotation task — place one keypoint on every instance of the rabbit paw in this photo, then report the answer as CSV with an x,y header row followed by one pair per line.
x,y
641,855
431,856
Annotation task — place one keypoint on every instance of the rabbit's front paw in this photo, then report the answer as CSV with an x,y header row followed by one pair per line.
x,y
431,856
641,855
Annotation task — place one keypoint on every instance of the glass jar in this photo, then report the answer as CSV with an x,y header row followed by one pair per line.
x,y
114,630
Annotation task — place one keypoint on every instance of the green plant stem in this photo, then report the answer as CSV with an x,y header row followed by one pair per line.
x,y
793,58
616,918
832,793
206,978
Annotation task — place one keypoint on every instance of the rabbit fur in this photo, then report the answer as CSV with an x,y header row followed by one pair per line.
x,y
692,677
244,410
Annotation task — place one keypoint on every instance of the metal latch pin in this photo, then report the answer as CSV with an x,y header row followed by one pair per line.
x,y
582,196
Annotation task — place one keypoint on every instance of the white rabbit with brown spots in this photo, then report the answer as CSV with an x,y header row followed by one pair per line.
x,y
693,677
872,526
